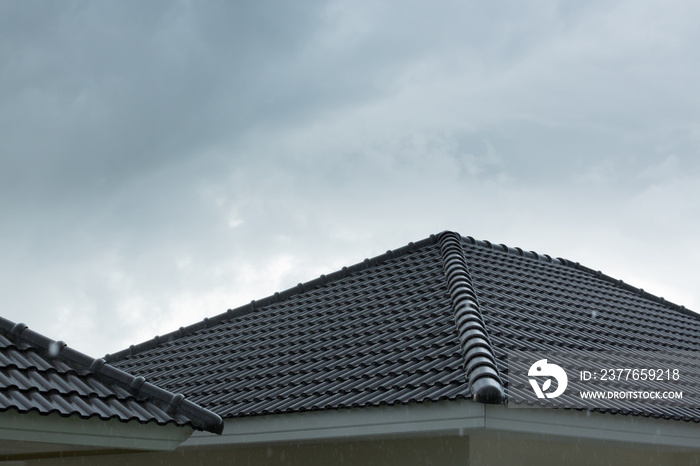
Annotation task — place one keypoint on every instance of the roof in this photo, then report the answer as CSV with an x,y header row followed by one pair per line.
x,y
42,375
431,321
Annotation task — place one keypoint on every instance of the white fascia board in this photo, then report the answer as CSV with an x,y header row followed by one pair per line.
x,y
591,425
457,417
91,433
447,418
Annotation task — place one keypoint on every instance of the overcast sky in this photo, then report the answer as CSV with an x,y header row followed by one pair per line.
x,y
161,162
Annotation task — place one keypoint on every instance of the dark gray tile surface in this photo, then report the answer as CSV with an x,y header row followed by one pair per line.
x,y
380,335
554,305
383,332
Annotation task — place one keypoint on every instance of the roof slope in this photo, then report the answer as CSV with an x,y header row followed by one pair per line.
x,y
430,321
379,332
532,302
42,375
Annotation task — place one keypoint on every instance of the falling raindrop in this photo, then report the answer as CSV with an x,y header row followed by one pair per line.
x,y
54,348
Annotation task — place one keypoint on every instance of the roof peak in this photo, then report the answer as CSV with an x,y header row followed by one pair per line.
x,y
365,264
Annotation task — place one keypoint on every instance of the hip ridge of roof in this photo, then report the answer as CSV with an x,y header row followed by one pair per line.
x,y
479,360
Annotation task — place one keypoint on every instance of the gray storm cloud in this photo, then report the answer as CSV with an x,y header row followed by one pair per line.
x,y
164,161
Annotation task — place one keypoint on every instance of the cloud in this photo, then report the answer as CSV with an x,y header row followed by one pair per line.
x,y
164,161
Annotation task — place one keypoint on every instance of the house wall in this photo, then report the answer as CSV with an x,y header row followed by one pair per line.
x,y
529,450
474,450
447,451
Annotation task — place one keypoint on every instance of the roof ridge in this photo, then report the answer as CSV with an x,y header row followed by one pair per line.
x,y
271,299
479,360
200,417
577,266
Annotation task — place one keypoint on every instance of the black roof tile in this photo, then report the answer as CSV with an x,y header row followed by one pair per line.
x,y
430,321
38,374
314,346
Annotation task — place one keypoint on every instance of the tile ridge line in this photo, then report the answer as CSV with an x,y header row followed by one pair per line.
x,y
577,266
277,297
633,289
479,360
172,403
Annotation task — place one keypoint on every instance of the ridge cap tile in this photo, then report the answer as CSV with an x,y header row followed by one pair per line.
x,y
480,371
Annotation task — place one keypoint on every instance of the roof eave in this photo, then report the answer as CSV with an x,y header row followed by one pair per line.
x,y
449,417
88,434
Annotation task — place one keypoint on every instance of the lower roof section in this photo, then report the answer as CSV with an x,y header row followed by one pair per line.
x,y
38,374
450,418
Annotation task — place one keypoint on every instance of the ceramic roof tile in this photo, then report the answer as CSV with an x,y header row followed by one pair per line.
x,y
313,350
38,374
540,304
431,321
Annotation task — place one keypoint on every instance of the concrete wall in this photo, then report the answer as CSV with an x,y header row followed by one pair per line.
x,y
475,450
513,450
450,451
